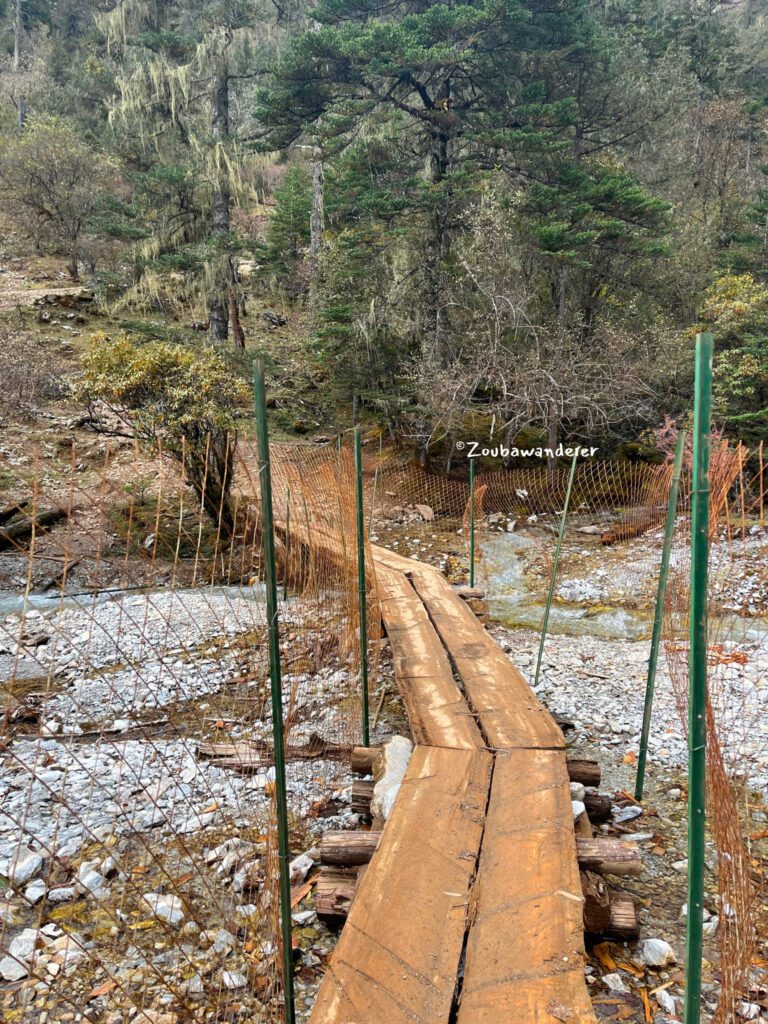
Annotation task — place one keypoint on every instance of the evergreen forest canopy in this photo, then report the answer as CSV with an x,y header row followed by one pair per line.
x,y
489,219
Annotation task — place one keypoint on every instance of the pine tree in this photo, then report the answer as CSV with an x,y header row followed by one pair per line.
x,y
177,65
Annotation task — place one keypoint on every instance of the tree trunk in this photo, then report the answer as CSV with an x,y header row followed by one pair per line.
x,y
18,24
317,215
218,311
22,112
238,334
209,471
553,426
553,414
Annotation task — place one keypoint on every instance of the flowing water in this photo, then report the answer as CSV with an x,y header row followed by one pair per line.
x,y
517,597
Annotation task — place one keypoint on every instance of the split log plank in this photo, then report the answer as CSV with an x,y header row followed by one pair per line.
x,y
437,711
597,903
398,955
334,892
624,923
525,950
362,794
510,713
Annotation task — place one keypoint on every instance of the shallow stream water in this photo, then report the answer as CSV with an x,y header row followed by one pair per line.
x,y
517,598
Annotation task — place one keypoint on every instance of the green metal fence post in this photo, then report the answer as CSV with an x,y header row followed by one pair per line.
x,y
555,563
471,522
361,583
658,618
697,731
273,626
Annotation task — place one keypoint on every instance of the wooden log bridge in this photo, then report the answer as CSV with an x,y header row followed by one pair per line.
x,y
470,910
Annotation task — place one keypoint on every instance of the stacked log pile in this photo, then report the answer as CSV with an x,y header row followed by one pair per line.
x,y
607,912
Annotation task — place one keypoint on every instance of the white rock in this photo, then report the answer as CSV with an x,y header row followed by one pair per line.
x,y
23,946
656,953
24,865
390,770
578,792
35,891
615,983
578,808
61,894
12,970
231,979
749,1011
300,867
710,927
89,880
621,814
667,1002
224,941
166,908
67,949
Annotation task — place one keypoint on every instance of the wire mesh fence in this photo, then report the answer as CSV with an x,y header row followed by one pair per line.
x,y
737,734
137,818
605,586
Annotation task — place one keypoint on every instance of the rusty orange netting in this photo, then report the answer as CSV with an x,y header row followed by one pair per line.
x,y
737,735
137,826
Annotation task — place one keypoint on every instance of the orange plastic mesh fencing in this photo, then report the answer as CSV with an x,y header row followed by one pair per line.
x,y
737,734
313,495
517,516
137,823
606,586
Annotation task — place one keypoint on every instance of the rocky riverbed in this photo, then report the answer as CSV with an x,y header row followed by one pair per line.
x,y
139,871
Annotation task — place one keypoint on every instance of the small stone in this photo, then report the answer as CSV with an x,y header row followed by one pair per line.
x,y
710,927
578,792
622,814
304,916
615,983
681,866
224,941
232,980
656,953
68,949
667,1002
35,891
24,945
167,908
23,866
578,808
749,1011
300,867
91,881
12,970
61,894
